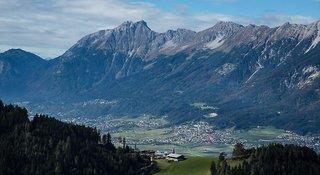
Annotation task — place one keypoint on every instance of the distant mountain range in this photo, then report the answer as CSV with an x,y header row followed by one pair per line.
x,y
229,75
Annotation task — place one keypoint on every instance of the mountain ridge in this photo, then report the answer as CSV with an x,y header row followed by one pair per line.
x,y
164,39
250,75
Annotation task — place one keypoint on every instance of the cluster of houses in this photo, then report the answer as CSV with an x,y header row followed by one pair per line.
x,y
163,155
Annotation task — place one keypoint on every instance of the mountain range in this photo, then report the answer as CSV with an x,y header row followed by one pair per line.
x,y
228,75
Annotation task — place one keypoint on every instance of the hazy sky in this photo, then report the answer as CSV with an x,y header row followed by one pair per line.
x,y
50,27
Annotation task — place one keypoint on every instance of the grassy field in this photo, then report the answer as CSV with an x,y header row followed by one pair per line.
x,y
139,133
191,166
255,136
259,135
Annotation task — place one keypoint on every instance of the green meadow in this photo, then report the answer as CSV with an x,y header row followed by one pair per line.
x,y
190,166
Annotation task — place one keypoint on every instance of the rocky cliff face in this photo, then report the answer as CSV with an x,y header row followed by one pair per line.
x,y
248,75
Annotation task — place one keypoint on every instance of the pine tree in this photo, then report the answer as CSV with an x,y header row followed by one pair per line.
x,y
238,150
104,139
213,168
109,142
222,156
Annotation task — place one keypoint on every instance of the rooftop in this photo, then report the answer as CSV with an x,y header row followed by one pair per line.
x,y
174,155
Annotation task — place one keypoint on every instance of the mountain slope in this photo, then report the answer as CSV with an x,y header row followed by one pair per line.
x,y
247,75
17,69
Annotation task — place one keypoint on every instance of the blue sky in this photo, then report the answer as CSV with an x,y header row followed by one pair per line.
x,y
247,8
49,27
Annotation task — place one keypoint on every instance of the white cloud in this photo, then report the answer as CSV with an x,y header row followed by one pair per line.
x,y
50,27
279,19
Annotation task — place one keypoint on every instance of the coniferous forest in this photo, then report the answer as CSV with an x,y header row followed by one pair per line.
x,y
45,145
274,159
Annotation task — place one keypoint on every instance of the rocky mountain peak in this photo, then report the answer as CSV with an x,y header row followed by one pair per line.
x,y
129,25
220,30
136,39
142,23
227,24
296,31
226,27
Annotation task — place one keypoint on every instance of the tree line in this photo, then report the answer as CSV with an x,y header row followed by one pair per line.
x,y
45,145
273,159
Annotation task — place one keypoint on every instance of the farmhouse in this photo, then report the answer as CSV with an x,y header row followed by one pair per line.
x,y
175,157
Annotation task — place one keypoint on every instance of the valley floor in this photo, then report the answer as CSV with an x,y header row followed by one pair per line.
x,y
190,166
192,138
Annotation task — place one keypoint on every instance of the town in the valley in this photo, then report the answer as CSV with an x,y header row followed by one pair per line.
x,y
147,132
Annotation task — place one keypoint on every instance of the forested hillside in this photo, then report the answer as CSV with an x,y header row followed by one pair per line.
x,y
274,159
45,145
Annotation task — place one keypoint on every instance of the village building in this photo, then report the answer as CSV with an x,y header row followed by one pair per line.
x,y
175,157
160,155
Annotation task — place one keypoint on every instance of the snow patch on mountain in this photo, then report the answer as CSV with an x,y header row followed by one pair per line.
x,y
314,43
130,53
203,106
149,66
226,68
183,47
190,56
310,74
168,45
212,115
217,42
259,67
